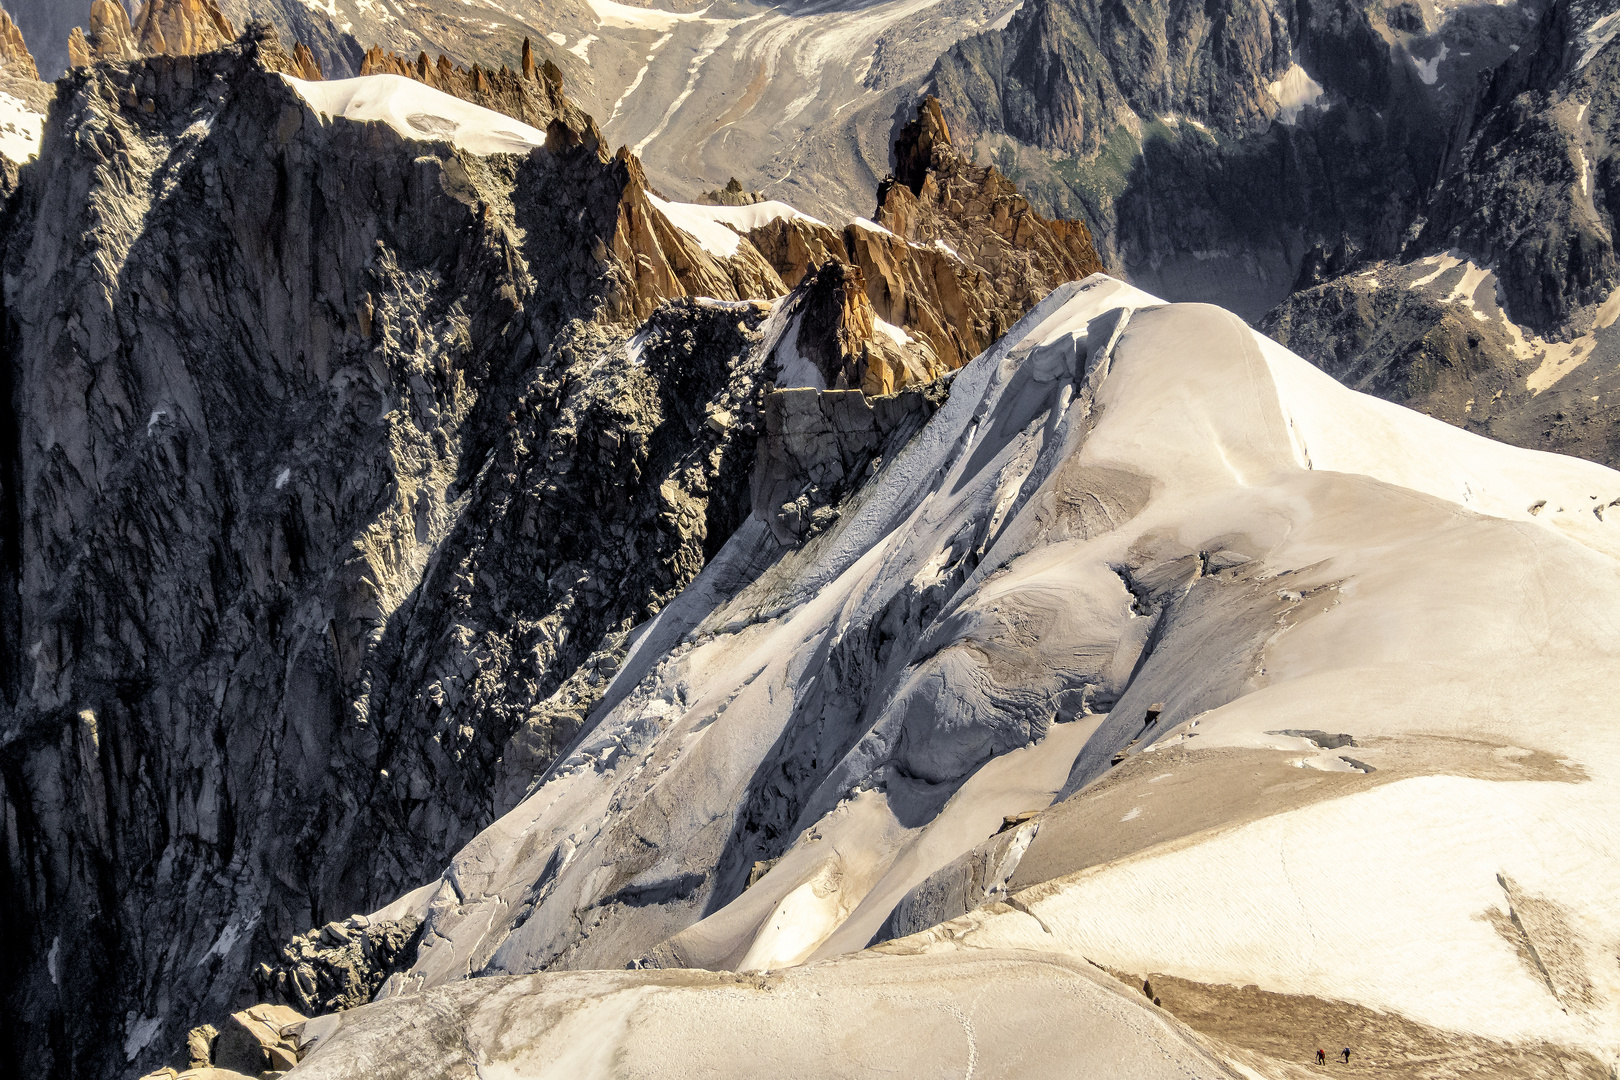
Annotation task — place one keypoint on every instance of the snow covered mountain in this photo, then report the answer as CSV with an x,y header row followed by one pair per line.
x,y
760,635
1156,648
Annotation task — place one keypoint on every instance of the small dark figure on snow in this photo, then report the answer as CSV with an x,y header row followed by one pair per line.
x,y
1347,1055
1321,1056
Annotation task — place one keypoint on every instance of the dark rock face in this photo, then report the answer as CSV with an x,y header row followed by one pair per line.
x,y
1065,73
339,966
326,460
1535,188
819,446
1183,144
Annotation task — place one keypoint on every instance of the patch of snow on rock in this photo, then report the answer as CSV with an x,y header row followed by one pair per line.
x,y
1429,70
21,129
138,1033
900,338
626,17
871,226
1296,90
695,221
1599,34
753,216
419,112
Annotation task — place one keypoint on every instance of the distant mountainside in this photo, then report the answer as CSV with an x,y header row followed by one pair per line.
x,y
1221,153
1313,157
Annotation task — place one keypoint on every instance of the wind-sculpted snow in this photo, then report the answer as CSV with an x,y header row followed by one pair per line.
x,y
1122,588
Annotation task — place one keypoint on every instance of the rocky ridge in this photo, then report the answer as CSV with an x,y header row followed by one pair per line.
x,y
110,36
954,255
403,443
730,195
314,394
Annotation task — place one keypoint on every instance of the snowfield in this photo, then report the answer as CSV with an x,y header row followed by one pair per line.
x,y
1272,684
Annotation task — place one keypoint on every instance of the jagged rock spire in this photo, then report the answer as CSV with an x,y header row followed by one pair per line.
x,y
179,27
914,149
15,58
838,333
528,59
309,68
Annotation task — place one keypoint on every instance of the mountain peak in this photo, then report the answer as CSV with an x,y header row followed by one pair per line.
x,y
919,138
182,27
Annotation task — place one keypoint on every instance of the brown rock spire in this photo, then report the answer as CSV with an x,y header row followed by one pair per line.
x,y
309,68
914,149
78,49
528,59
110,36
838,333
14,55
181,27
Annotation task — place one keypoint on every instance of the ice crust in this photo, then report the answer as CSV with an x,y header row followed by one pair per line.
x,y
1154,505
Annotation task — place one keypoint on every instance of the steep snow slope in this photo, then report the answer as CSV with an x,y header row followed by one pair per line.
x,y
1139,546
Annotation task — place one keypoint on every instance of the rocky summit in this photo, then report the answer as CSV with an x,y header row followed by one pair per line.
x,y
588,539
